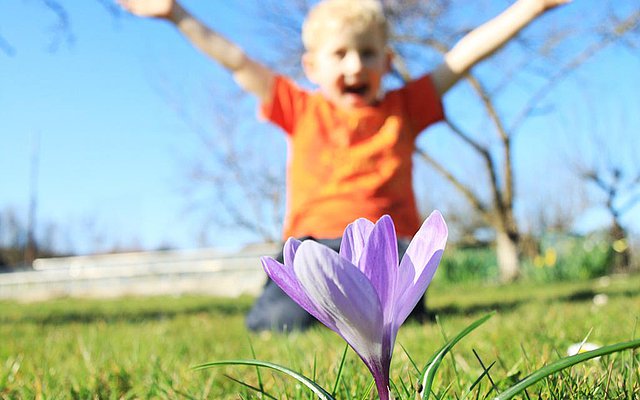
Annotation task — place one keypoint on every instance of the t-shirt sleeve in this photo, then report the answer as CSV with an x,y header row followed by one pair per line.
x,y
423,103
286,101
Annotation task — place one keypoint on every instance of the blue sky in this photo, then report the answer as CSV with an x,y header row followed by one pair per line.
x,y
111,147
106,136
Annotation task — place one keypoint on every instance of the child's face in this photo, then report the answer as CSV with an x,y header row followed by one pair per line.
x,y
348,65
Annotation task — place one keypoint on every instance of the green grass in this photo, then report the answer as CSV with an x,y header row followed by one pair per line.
x,y
145,347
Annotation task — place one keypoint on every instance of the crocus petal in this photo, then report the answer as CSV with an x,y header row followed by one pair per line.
x,y
342,292
354,239
379,263
289,251
284,276
338,288
419,265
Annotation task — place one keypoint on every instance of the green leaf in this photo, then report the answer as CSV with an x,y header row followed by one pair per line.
x,y
429,371
565,363
317,389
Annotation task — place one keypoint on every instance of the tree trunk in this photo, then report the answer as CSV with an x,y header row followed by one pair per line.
x,y
621,251
507,252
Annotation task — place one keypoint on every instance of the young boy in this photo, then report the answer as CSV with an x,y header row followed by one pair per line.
x,y
350,144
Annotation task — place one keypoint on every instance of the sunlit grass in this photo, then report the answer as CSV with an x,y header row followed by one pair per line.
x,y
145,348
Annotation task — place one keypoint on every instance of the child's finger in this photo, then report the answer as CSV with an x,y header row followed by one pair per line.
x,y
126,4
133,6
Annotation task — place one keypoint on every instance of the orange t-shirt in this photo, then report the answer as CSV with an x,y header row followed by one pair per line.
x,y
346,164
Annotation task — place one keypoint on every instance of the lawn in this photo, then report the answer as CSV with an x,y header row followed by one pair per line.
x,y
145,347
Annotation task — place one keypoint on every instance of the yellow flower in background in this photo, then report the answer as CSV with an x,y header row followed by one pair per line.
x,y
550,257
620,245
538,261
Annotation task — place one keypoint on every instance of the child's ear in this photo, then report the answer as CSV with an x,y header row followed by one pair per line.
x,y
309,66
388,60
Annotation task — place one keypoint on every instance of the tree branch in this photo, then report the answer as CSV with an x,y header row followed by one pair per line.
x,y
504,199
6,48
620,30
468,194
488,161
63,27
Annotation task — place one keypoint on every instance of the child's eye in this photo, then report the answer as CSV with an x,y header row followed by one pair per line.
x,y
368,53
340,53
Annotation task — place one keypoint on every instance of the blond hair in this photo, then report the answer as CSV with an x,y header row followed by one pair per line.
x,y
356,14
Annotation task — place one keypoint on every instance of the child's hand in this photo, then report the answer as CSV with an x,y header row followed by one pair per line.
x,y
548,4
544,5
148,8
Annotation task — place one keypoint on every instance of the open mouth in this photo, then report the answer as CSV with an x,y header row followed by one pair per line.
x,y
360,89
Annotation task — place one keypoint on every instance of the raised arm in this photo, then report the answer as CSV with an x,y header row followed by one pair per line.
x,y
486,39
250,75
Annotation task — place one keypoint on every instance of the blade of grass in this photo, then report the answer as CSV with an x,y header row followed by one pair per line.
x,y
562,364
342,360
394,388
347,391
429,371
485,369
253,354
584,340
485,372
454,364
366,393
12,370
633,364
609,374
315,371
446,390
478,391
248,386
409,357
317,389
406,389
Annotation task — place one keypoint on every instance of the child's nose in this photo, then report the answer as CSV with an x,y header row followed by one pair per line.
x,y
353,63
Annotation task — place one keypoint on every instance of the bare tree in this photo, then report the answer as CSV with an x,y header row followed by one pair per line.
x,y
237,180
497,157
608,162
535,63
60,29
12,237
235,184
16,238
31,249
622,193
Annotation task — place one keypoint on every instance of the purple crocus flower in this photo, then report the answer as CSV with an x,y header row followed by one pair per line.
x,y
362,293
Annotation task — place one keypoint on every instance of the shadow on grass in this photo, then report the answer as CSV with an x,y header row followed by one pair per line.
x,y
135,311
130,315
576,296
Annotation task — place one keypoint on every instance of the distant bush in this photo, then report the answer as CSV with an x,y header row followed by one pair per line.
x,y
570,257
468,264
560,257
